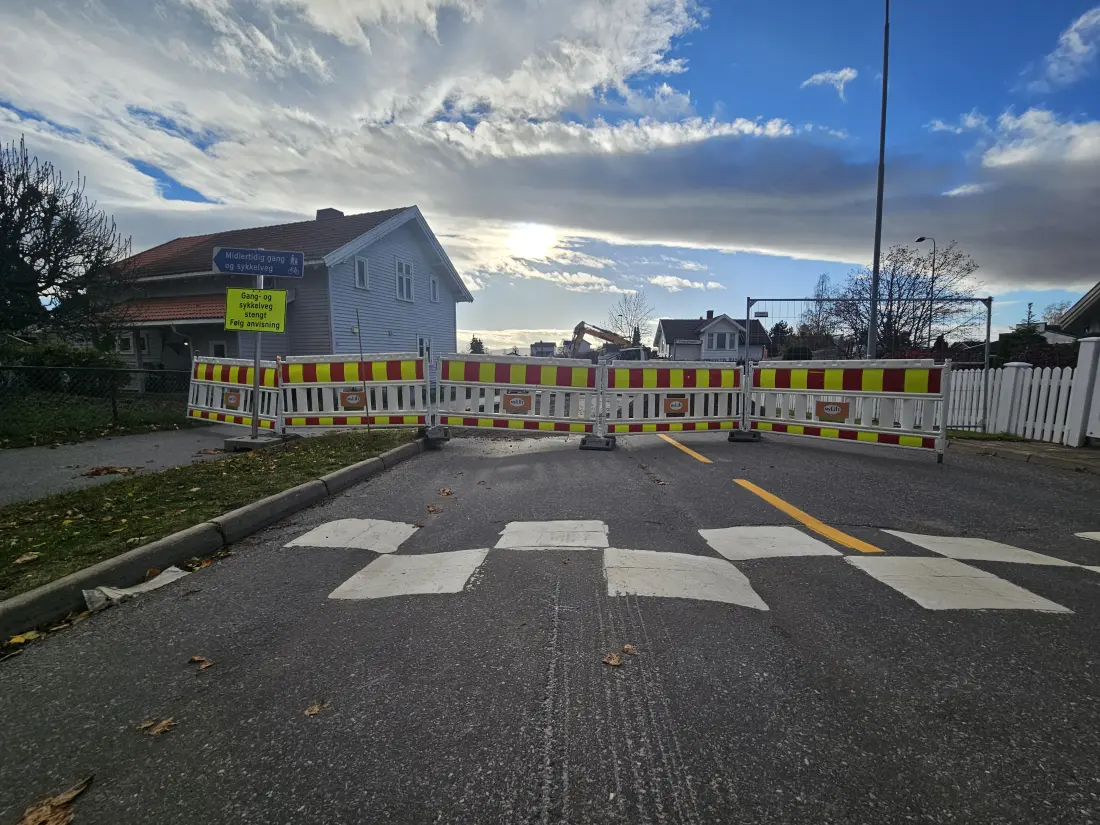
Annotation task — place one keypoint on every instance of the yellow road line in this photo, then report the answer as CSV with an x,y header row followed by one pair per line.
x,y
687,450
817,526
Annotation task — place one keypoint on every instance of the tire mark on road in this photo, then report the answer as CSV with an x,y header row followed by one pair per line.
x,y
608,727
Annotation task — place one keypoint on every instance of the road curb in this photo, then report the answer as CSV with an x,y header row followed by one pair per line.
x,y
57,599
996,450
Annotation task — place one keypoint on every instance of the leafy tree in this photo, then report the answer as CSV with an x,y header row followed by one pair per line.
x,y
62,260
476,346
779,334
1053,312
631,310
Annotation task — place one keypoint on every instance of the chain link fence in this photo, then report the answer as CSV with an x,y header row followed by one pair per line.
x,y
49,405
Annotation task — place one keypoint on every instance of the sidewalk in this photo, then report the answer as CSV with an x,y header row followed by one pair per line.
x,y
33,472
1082,459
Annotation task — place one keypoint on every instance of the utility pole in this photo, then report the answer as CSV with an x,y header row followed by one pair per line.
x,y
872,326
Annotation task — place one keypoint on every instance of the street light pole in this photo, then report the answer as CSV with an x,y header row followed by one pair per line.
x,y
872,324
931,286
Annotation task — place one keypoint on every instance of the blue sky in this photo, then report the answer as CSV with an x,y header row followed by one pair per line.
x,y
568,152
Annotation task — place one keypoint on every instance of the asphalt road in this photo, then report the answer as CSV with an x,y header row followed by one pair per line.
x,y
846,701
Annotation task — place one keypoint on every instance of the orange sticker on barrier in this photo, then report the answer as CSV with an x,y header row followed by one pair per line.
x,y
676,406
231,400
831,410
353,400
515,403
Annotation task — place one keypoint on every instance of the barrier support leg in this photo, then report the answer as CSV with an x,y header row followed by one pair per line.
x,y
745,432
598,439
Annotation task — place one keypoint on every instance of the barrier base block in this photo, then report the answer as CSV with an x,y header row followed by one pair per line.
x,y
743,435
437,436
605,443
247,442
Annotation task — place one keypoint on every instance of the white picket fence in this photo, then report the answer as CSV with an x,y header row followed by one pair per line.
x,y
1037,412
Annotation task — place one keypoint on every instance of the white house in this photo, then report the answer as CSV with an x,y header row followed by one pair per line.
x,y
713,338
387,265
1083,318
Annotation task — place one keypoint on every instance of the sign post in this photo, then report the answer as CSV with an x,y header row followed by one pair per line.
x,y
257,310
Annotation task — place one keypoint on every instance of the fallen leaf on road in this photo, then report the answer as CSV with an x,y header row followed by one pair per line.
x,y
630,650
433,509
658,481
23,638
55,810
151,573
163,726
316,708
148,723
110,471
483,482
446,491
201,661
194,489
418,524
26,557
209,451
612,659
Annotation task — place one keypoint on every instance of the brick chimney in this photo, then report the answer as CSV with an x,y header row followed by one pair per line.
x,y
710,314
325,214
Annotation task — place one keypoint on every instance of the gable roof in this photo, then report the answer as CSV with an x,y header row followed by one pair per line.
x,y
690,329
315,238
1074,319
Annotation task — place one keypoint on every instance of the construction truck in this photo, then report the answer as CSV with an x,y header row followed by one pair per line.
x,y
626,351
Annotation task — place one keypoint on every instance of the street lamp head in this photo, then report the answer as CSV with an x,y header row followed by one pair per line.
x,y
921,239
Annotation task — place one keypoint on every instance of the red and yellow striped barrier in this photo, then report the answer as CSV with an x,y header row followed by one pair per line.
x,y
225,418
458,371
356,421
911,380
894,439
653,378
353,372
515,424
231,374
672,427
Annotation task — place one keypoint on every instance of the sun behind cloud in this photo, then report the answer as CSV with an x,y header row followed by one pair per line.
x,y
532,240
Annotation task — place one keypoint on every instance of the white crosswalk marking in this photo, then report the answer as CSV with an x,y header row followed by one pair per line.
x,y
771,542
407,575
358,533
677,575
528,535
1093,536
974,549
946,584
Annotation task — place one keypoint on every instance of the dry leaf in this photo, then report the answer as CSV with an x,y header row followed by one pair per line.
x,y
55,810
446,491
316,708
206,664
201,661
418,524
23,638
194,489
630,650
110,471
483,482
148,723
26,557
163,726
151,573
210,451
434,510
612,659
658,481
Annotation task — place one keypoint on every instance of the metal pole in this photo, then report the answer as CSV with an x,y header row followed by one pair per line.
x,y
872,324
256,376
931,292
985,373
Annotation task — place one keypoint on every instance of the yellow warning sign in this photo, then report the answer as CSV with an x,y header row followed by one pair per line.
x,y
255,310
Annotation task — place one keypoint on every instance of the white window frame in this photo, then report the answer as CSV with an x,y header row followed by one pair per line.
x,y
424,346
433,290
710,340
404,271
225,347
143,342
365,284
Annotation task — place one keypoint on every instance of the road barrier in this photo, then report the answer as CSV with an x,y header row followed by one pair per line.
x,y
896,403
327,391
221,390
509,392
655,397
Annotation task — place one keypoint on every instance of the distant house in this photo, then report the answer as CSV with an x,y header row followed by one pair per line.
x,y
1083,318
543,349
713,338
387,265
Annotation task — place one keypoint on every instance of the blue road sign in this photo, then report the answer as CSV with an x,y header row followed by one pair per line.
x,y
269,262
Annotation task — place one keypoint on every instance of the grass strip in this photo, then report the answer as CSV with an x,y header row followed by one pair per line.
x,y
974,435
69,531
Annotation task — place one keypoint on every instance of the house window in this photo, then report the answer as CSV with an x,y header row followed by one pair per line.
x,y
126,343
362,274
435,290
404,281
217,349
710,341
721,341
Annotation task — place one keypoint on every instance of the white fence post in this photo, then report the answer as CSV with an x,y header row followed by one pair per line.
x,y
1084,400
1012,391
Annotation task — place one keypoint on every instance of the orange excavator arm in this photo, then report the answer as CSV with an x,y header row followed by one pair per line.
x,y
582,329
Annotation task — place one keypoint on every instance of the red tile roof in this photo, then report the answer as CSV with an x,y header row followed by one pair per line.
x,y
192,308
315,238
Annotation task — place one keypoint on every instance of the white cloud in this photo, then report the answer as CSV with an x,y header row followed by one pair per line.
x,y
838,80
1039,136
966,189
683,263
502,340
973,121
674,283
1073,57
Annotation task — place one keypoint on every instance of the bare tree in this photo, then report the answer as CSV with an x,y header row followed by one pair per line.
x,y
62,260
1054,312
914,308
631,310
